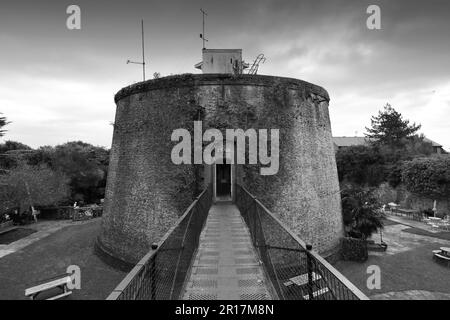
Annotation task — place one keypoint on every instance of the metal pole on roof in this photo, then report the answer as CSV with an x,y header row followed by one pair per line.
x,y
203,35
143,50
143,53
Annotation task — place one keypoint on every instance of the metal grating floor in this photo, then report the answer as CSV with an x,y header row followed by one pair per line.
x,y
226,266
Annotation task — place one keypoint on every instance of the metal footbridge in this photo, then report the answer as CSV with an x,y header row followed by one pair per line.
x,y
233,251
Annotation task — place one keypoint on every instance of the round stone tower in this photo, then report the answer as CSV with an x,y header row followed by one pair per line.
x,y
146,192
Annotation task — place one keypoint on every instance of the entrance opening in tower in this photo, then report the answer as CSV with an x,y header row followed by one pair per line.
x,y
223,180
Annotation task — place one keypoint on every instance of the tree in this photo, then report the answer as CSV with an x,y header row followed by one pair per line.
x,y
10,152
85,165
42,155
26,186
370,165
13,146
3,122
418,146
361,165
389,128
361,212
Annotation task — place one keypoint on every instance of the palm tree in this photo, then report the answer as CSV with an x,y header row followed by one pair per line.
x,y
3,122
362,214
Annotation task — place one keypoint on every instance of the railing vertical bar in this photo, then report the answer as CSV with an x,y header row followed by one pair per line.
x,y
153,277
310,273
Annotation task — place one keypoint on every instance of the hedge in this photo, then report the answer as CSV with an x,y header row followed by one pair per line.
x,y
428,177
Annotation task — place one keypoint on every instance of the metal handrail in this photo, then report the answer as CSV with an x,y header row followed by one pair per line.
x,y
125,289
161,273
310,255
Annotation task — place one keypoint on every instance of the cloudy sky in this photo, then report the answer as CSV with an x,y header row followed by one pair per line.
x,y
57,85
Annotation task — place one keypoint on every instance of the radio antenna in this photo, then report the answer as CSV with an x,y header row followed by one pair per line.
x,y
143,53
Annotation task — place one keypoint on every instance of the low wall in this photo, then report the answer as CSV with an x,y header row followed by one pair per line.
x,y
354,250
5,225
409,200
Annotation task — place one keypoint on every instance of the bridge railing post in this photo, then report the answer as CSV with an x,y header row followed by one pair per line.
x,y
153,275
253,219
309,267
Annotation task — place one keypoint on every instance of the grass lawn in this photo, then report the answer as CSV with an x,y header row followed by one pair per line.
x,y
15,234
50,256
387,222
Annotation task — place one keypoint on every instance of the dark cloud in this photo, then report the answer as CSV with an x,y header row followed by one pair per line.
x,y
68,78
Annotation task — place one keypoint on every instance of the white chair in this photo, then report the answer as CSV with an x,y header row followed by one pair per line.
x,y
445,225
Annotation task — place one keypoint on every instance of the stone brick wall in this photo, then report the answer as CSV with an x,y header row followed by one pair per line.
x,y
146,192
411,201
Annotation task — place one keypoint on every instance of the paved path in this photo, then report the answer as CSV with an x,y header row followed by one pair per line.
x,y
226,266
412,295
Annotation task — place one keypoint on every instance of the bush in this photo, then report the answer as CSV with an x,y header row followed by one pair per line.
x,y
428,177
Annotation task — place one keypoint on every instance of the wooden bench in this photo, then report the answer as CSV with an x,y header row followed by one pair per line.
x,y
302,280
317,293
60,283
439,256
442,256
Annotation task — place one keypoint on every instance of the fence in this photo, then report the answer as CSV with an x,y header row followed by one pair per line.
x,y
86,213
296,272
409,214
160,275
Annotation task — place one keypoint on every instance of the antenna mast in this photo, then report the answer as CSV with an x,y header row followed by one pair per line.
x,y
143,53
143,50
203,35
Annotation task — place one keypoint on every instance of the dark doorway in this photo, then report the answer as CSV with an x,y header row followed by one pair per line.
x,y
223,179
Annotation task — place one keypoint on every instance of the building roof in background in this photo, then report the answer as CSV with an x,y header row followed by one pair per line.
x,y
350,141
357,141
435,144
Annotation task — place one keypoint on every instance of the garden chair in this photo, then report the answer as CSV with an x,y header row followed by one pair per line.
x,y
445,224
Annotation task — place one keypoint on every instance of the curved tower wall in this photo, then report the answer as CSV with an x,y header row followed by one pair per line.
x,y
146,192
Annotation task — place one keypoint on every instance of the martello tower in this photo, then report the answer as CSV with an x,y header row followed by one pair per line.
x,y
146,192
